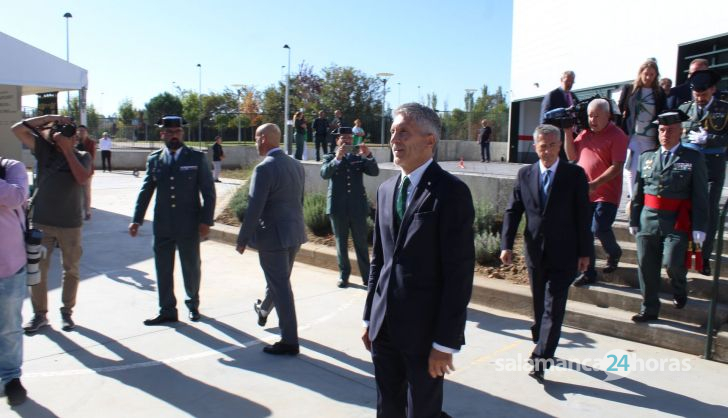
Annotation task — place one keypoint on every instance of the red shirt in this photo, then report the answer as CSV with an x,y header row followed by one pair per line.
x,y
596,152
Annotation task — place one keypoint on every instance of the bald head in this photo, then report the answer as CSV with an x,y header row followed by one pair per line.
x,y
267,137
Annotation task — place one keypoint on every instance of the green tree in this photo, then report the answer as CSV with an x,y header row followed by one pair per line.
x,y
92,118
351,91
161,105
126,111
272,104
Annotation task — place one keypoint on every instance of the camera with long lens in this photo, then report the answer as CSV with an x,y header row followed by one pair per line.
x,y
578,114
66,129
35,252
561,117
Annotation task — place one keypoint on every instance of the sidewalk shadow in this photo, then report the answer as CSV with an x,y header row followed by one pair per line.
x,y
463,400
642,395
32,409
133,277
109,250
287,369
160,380
503,325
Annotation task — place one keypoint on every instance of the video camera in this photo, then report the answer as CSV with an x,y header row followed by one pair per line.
x,y
566,117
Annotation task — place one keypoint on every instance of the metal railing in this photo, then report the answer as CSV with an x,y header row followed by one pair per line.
x,y
710,328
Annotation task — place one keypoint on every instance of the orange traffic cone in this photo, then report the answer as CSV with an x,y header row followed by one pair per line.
x,y
461,164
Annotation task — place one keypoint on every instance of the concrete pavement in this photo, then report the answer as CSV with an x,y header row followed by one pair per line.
x,y
112,365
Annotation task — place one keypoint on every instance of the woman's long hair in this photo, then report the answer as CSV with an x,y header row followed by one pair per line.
x,y
650,63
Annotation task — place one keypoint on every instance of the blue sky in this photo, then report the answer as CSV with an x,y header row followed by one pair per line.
x,y
137,49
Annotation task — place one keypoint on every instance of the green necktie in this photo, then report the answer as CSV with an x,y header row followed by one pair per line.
x,y
402,198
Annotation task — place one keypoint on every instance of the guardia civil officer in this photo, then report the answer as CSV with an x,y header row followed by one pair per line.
x,y
180,175
347,204
706,130
668,209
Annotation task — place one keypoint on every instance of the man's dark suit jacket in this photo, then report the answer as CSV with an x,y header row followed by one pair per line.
x,y
554,100
559,233
679,95
421,274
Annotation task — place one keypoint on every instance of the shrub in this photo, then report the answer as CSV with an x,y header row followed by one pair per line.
x,y
314,215
486,219
239,202
487,248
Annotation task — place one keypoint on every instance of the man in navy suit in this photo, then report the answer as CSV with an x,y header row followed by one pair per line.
x,y
421,274
560,97
555,198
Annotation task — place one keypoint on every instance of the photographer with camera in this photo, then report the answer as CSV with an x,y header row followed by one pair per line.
x,y
347,204
600,151
57,207
13,194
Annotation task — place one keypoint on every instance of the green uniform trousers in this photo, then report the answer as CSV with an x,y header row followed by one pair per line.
x,y
658,245
358,226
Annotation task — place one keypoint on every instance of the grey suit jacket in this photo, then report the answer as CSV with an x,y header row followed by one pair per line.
x,y
274,218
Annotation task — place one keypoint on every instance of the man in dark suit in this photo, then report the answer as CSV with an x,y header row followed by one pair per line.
x,y
273,225
484,140
421,273
346,203
560,97
555,198
682,93
179,175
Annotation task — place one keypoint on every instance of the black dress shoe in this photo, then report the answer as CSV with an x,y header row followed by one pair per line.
x,y
159,320
643,317
262,319
15,392
612,264
679,301
706,269
343,283
194,315
538,375
583,280
280,348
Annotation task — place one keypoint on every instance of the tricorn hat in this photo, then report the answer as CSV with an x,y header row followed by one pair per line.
x,y
670,117
171,122
703,80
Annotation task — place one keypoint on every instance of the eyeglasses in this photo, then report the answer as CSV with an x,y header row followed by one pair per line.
x,y
172,131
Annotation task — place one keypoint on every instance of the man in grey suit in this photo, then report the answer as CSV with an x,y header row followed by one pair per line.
x,y
273,225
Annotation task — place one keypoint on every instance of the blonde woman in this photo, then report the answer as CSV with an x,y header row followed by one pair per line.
x,y
640,103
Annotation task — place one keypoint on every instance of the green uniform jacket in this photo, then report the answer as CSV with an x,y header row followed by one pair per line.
x,y
347,195
684,177
177,210
714,120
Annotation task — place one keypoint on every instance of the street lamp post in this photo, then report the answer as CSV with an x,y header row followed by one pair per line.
x,y
285,106
419,96
399,94
199,97
469,104
68,15
384,77
239,88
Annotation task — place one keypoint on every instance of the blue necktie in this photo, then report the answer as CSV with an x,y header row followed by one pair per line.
x,y
545,185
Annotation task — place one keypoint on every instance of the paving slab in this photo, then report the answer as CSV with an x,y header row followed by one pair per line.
x,y
111,365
